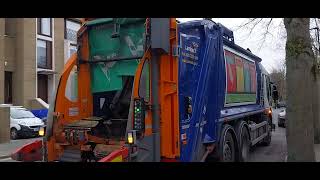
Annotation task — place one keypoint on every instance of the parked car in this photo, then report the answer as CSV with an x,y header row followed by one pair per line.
x,y
41,113
23,123
281,104
282,118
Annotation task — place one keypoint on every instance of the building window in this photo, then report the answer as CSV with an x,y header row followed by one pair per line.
x,y
71,29
44,54
71,92
72,49
44,26
6,26
10,27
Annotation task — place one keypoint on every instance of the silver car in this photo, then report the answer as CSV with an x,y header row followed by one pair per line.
x,y
282,118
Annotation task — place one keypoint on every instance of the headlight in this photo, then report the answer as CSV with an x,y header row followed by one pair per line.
x,y
41,131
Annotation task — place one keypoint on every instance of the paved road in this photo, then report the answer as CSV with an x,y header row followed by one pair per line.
x,y
277,150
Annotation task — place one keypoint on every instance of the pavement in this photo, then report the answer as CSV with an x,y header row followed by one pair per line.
x,y
7,148
277,151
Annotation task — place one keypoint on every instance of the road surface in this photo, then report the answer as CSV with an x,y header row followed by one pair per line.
x,y
277,150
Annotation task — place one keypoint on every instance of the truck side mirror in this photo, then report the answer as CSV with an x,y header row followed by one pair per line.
x,y
139,114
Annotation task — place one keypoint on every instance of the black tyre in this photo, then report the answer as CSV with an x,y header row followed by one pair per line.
x,y
13,133
243,141
267,140
227,145
244,145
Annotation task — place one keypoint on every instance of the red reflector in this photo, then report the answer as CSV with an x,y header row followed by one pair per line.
x,y
168,160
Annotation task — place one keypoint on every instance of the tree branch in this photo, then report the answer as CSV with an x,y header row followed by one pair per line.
x,y
266,33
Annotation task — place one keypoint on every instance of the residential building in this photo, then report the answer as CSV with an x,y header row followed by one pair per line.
x,y
33,52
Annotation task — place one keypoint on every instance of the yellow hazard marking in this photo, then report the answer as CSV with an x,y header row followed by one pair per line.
x,y
117,159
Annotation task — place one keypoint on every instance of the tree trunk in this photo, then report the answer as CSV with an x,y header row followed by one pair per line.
x,y
316,108
299,62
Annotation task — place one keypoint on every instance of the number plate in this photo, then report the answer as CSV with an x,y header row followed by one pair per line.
x,y
36,129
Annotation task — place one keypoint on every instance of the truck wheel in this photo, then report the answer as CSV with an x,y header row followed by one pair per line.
x,y
267,140
244,145
13,133
244,141
227,145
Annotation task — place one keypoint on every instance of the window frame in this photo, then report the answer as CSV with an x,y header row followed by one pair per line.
x,y
243,57
71,45
65,26
39,27
48,61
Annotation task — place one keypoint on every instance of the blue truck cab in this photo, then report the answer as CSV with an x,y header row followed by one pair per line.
x,y
224,95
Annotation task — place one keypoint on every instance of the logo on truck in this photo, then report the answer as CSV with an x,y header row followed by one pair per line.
x,y
189,54
192,48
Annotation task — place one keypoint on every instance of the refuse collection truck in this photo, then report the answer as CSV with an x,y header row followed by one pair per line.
x,y
155,89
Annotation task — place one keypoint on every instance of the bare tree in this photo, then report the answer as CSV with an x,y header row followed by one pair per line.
x,y
316,86
299,63
301,82
316,104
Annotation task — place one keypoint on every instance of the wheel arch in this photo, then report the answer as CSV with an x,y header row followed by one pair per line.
x,y
16,126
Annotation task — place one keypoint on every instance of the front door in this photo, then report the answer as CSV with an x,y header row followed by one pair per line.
x,y
43,87
8,87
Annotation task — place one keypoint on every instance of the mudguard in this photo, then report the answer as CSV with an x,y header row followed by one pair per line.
x,y
29,152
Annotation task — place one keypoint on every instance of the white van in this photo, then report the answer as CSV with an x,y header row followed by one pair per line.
x,y
24,124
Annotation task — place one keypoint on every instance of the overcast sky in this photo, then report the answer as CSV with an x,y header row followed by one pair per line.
x,y
271,51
